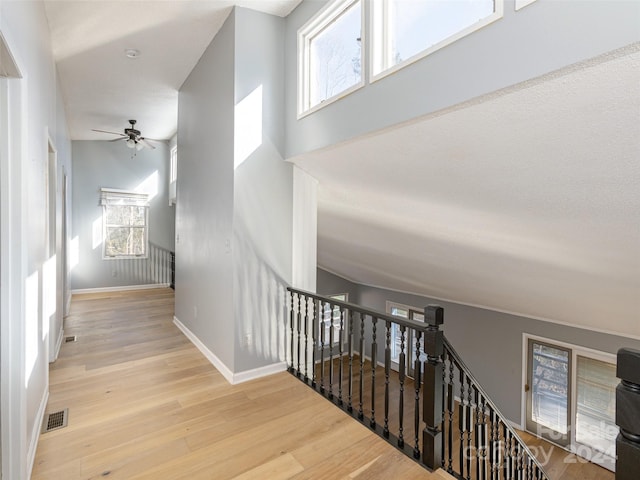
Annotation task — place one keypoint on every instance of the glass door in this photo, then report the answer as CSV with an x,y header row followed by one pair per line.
x,y
406,339
595,424
549,391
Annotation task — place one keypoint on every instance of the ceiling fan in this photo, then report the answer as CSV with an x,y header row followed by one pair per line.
x,y
133,137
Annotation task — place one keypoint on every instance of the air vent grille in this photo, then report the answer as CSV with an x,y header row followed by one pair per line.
x,y
55,420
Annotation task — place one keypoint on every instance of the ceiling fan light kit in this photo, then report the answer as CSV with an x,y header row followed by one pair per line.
x,y
133,138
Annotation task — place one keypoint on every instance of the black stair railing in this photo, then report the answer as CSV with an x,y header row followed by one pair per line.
x,y
477,440
420,396
628,414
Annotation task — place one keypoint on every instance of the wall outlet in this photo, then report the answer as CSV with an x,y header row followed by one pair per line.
x,y
195,312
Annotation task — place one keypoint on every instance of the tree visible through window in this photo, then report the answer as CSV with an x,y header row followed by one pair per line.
x,y
331,54
124,220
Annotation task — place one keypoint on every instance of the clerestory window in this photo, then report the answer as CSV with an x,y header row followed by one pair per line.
x,y
404,31
330,55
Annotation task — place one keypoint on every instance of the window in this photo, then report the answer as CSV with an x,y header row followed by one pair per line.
x,y
409,337
124,223
404,31
173,174
570,398
330,55
331,319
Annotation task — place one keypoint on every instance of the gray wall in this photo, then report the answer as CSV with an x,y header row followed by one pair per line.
x,y
204,207
543,37
98,164
234,224
489,342
329,284
263,196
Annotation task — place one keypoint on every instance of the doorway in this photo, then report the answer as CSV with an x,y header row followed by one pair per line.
x,y
403,340
570,398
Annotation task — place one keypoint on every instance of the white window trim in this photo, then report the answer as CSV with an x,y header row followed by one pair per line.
x,y
576,350
496,15
142,199
173,174
305,34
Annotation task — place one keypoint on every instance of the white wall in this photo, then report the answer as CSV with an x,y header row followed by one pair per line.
x,y
204,208
263,191
35,115
98,164
235,197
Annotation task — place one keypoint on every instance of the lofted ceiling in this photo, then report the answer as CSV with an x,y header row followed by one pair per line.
x,y
524,201
103,88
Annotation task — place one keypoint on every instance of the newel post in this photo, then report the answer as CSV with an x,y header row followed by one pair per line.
x,y
628,414
432,388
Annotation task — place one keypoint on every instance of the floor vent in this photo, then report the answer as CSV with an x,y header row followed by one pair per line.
x,y
55,420
70,339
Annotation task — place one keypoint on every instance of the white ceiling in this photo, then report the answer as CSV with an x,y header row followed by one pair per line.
x,y
524,201
102,88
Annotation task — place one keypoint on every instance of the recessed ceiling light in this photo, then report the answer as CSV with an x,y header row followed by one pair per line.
x,y
132,53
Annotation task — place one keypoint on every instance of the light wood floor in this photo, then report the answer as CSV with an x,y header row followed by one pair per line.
x,y
145,404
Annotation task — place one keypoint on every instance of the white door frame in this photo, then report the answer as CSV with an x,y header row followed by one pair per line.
x,y
13,418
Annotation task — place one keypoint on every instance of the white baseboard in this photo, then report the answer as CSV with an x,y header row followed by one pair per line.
x,y
120,288
56,351
232,378
259,372
35,432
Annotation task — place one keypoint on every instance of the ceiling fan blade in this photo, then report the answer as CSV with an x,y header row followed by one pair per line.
x,y
117,139
144,142
105,131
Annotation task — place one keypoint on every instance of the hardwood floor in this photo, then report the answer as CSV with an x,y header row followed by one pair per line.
x,y
145,404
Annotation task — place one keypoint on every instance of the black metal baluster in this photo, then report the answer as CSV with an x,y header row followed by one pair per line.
x,y
401,375
360,411
341,351
306,338
478,440
299,329
461,421
291,318
469,423
387,369
331,339
483,437
492,444
443,425
417,375
450,408
314,335
374,355
507,454
350,336
323,341
520,466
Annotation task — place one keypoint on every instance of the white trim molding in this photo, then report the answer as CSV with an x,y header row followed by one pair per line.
x,y
231,377
35,432
123,288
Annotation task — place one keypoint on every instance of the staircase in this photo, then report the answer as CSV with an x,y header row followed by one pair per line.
x,y
404,380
